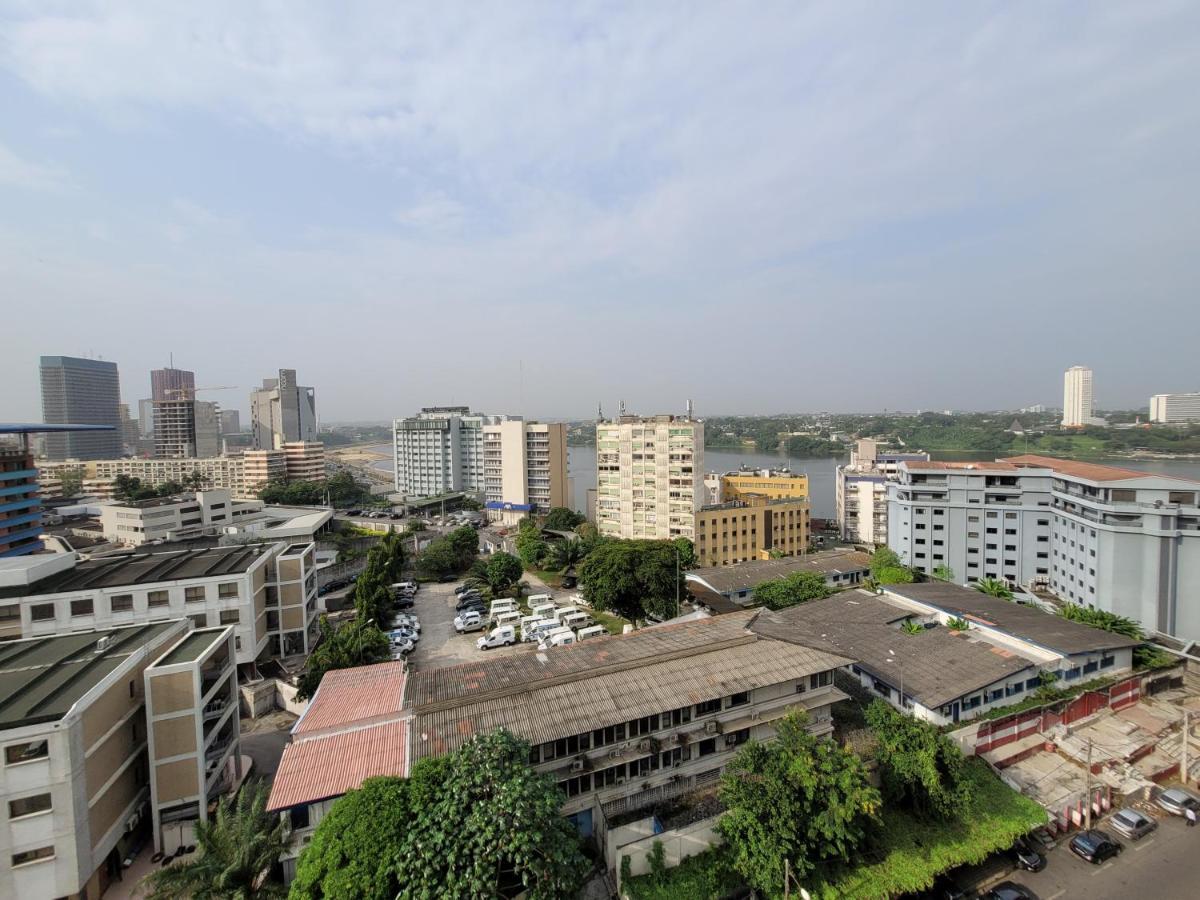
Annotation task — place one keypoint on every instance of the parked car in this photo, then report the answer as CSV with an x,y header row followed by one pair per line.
x,y
1132,824
469,599
403,602
1095,846
1010,890
944,888
405,632
1177,801
400,645
1026,857
404,620
465,588
353,512
503,636
470,620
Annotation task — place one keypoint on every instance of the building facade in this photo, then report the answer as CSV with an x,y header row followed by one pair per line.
x,y
282,411
860,490
1077,397
751,528
524,469
81,392
649,476
774,484
185,429
440,451
267,592
172,518
1169,409
20,504
231,421
304,461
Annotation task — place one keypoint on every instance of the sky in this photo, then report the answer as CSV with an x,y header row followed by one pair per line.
x,y
532,208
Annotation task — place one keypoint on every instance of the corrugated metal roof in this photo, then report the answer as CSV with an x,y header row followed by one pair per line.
x,y
350,696
749,575
561,708
329,766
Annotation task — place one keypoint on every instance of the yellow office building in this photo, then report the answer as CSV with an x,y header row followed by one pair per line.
x,y
770,483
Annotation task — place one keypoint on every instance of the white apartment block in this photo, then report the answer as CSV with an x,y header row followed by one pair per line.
x,y
860,489
173,518
440,451
649,476
1168,409
524,469
1113,539
1077,397
267,592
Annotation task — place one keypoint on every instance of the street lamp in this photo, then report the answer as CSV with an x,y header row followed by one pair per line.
x,y
895,659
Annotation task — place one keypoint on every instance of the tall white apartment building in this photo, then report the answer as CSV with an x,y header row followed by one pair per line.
x,y
861,490
649,476
1171,408
524,469
440,451
1077,396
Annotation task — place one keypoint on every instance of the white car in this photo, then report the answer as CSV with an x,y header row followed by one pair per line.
x,y
404,620
406,634
503,636
401,647
471,620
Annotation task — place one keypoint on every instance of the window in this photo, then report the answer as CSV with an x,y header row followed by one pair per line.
x,y
991,531
820,679
995,695
32,856
708,706
20,753
735,738
41,612
193,594
227,590
1010,531
81,607
158,598
199,621
230,617
739,699
122,603
1009,515
1106,661
28,806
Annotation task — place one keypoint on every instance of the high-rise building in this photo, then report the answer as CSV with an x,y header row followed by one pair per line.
x,y
186,428
231,421
440,451
860,490
1077,397
524,469
649,476
1171,408
146,418
172,384
81,392
282,411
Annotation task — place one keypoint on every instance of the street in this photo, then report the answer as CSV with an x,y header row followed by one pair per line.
x,y
1161,866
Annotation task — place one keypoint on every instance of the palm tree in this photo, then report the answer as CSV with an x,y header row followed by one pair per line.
x,y
994,587
236,850
564,554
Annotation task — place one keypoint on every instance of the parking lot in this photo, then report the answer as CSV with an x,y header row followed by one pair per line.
x,y
1159,866
439,645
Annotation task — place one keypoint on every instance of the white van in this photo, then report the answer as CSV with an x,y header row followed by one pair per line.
x,y
539,629
527,621
562,612
559,637
502,606
590,632
507,619
538,599
578,620
497,637
545,610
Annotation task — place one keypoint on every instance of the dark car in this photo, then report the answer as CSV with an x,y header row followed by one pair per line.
x,y
1094,846
403,603
479,607
354,512
1026,857
944,888
1010,890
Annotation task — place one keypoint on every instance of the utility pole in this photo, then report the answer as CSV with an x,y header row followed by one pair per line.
x,y
1183,760
1087,812
787,878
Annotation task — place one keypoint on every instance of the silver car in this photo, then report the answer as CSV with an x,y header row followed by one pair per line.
x,y
1132,823
1177,801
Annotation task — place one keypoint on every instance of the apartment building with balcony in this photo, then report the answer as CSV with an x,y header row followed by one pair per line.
x,y
75,769
266,592
649,476
440,451
193,733
753,527
304,460
20,504
1171,409
524,469
860,490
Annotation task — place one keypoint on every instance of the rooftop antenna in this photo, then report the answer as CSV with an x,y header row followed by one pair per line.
x,y
599,412
622,407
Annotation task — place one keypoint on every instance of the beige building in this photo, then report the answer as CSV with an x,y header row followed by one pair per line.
x,y
774,484
75,775
649,476
753,528
861,490
267,592
304,460
193,732
524,469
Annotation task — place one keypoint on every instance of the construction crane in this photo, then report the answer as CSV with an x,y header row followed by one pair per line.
x,y
193,391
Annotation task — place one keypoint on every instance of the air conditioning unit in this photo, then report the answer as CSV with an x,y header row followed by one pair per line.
x,y
577,765
614,753
644,745
620,779
712,727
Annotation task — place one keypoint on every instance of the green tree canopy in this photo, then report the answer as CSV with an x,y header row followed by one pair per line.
x,y
385,566
1105,621
502,572
921,768
235,852
894,575
564,554
71,481
355,643
687,552
884,558
531,549
799,587
562,519
475,823
634,579
799,798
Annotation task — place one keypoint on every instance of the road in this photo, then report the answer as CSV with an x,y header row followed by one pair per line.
x,y
1161,866
440,645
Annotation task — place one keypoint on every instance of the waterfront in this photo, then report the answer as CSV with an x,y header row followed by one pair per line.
x,y
581,466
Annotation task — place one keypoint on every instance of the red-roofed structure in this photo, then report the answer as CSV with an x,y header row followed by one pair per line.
x,y
329,765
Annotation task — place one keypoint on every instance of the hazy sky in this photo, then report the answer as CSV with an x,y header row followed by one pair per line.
x,y
761,206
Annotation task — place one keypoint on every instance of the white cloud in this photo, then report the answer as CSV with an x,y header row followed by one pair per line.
x,y
16,172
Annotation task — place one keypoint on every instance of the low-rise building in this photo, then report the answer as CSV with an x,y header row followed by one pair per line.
x,y
775,484
267,592
754,527
75,772
841,569
997,653
1169,409
172,518
303,460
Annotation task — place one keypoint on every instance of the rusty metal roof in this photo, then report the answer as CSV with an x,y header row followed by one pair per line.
x,y
354,696
330,765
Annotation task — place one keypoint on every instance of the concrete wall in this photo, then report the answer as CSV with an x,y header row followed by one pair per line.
x,y
678,845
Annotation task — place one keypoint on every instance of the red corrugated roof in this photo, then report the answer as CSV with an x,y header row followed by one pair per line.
x,y
350,696
330,765
1085,470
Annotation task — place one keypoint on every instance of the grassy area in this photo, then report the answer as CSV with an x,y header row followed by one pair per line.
x,y
551,578
706,875
614,624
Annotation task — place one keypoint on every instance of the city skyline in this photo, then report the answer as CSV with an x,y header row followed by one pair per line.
x,y
620,187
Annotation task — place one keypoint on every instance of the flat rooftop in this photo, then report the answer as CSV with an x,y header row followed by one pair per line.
x,y
42,678
1089,471
129,569
192,647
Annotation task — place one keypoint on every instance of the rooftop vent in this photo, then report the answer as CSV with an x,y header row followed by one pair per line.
x,y
104,643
